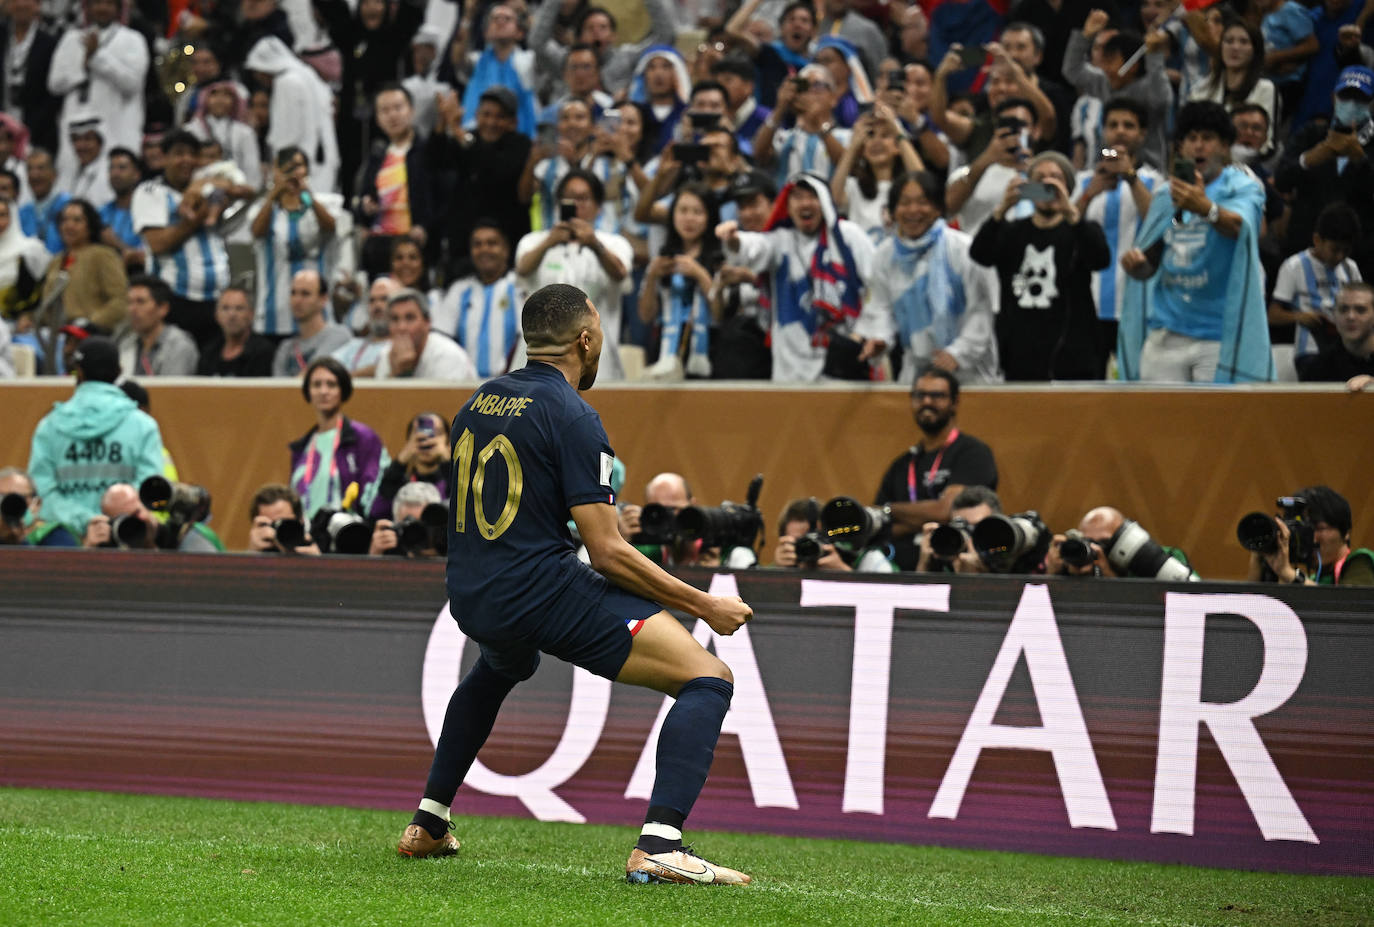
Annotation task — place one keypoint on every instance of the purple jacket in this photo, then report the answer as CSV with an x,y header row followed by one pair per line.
x,y
360,457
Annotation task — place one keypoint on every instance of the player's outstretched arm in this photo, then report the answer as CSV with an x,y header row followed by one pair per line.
x,y
613,557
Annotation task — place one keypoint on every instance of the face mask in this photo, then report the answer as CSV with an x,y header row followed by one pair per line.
x,y
1243,153
1351,112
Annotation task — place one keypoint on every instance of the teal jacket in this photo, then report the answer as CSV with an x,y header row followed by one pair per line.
x,y
87,444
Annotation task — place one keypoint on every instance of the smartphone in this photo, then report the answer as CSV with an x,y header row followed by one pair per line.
x,y
1185,169
896,80
424,426
971,56
801,83
610,121
865,108
547,135
1009,122
1109,154
1341,128
1038,192
687,153
703,121
567,211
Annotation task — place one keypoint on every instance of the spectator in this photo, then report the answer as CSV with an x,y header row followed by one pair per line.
x,y
1056,20
785,56
620,154
662,84
300,107
121,501
222,116
416,350
1252,130
1337,25
739,340
1024,43
207,67
29,528
598,28
878,151
408,265
818,265
907,91
424,458
921,485
736,76
39,217
841,19
548,164
502,63
372,37
1309,282
574,252
337,451
1194,38
361,353
1146,82
294,228
1289,40
813,144
424,84
1116,194
249,24
14,147
677,287
482,310
117,217
1351,359
927,296
238,351
22,260
850,76
716,175
96,287
153,346
180,223
92,441
482,168
101,68
395,197
582,80
1332,561
274,505
1047,324
1237,77
316,337
26,53
1206,317
1006,81
800,518
913,35
973,191
1327,164
88,176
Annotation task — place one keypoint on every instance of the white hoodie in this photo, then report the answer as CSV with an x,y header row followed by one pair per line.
x,y
302,110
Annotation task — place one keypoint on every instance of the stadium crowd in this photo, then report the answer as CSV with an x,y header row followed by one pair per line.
x,y
331,191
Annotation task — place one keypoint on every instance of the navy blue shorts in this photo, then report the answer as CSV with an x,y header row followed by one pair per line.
x,y
594,629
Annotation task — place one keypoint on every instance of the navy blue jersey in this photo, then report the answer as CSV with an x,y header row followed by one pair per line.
x,y
526,448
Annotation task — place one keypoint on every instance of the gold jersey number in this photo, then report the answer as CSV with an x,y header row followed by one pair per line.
x,y
474,478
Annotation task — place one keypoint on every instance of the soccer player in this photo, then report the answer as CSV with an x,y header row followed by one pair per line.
x,y
528,452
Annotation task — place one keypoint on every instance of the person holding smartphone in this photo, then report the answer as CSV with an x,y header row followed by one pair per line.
x,y
424,458
1047,325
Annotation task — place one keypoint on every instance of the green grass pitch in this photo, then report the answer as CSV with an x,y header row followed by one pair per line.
x,y
101,860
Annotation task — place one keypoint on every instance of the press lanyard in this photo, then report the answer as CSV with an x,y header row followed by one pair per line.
x,y
911,487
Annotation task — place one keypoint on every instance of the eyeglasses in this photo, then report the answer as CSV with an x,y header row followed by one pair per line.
x,y
921,395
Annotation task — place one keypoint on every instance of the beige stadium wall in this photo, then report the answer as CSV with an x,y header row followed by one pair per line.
x,y
1185,463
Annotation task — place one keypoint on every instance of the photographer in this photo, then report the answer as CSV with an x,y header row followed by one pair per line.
x,y
121,502
276,512
968,508
20,506
424,458
797,527
1101,531
389,535
671,491
814,143
1330,560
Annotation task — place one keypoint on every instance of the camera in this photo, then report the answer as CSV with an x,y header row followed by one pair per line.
x,y
183,502
13,508
852,526
131,531
949,540
1109,153
1257,532
1132,552
414,536
729,524
1011,543
290,533
1076,550
808,550
339,532
657,525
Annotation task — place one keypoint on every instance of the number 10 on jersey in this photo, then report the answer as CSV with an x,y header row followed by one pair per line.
x,y
474,478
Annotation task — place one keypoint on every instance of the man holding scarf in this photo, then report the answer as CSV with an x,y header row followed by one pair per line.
x,y
1194,309
927,294
818,264
503,63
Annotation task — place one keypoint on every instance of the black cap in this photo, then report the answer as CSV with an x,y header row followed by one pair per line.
x,y
98,359
751,184
503,97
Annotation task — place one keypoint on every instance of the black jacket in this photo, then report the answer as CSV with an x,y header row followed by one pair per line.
x,y
1312,190
418,183
478,180
40,107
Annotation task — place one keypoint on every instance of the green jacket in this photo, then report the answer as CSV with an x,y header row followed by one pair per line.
x,y
87,444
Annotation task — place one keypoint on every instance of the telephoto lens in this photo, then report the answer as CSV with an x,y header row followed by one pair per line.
x,y
290,533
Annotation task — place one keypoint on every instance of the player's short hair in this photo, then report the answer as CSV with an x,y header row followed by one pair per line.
x,y
271,494
553,315
970,496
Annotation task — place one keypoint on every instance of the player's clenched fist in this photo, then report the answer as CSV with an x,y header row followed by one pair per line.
x,y
727,614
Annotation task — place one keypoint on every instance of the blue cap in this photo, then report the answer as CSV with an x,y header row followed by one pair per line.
x,y
1356,78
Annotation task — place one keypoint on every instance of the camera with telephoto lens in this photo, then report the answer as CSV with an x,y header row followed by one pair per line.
x,y
1132,552
290,533
950,540
414,536
1258,533
657,526
729,524
1076,550
341,532
183,502
13,508
1011,543
852,526
807,549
